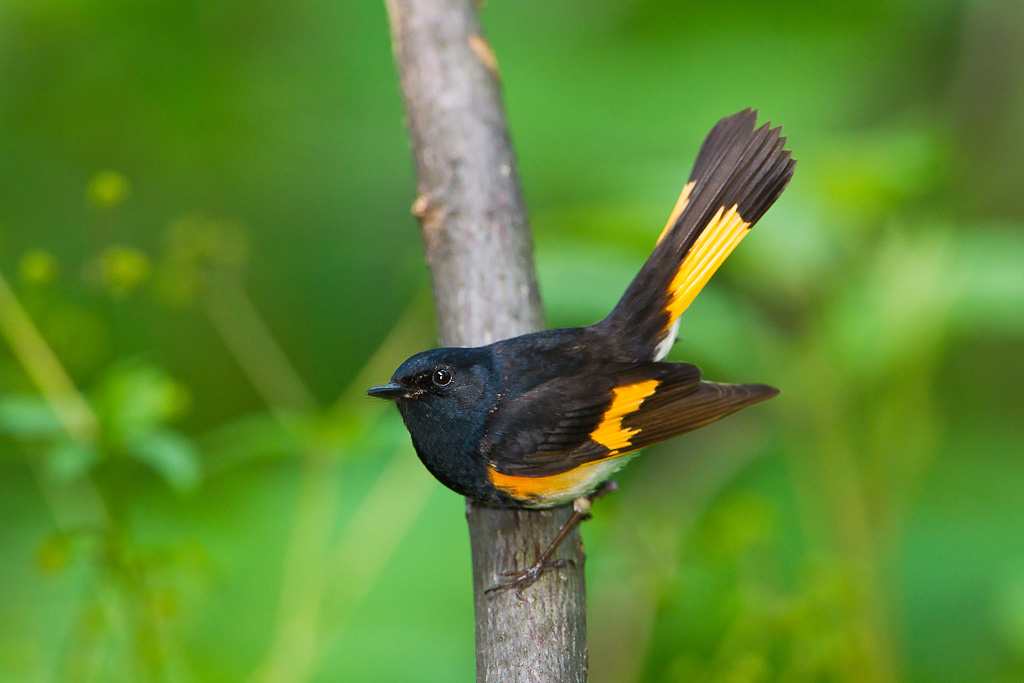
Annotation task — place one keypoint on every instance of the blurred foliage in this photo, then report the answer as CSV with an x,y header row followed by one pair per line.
x,y
206,255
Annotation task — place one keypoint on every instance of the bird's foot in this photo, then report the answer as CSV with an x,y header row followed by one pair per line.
x,y
521,580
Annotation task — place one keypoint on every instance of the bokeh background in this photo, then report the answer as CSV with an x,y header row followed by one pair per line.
x,y
207,255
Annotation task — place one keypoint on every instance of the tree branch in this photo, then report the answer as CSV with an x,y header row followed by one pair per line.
x,y
477,243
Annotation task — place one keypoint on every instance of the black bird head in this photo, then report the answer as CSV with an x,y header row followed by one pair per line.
x,y
444,396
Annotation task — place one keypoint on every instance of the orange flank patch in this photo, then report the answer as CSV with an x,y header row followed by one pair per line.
x,y
684,199
713,246
610,433
555,488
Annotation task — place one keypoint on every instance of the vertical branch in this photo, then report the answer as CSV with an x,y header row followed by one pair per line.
x,y
477,243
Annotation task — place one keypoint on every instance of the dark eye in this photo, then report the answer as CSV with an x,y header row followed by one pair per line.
x,y
442,377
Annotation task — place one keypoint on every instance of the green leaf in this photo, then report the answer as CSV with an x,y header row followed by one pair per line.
x,y
171,455
897,312
69,460
136,399
28,417
988,280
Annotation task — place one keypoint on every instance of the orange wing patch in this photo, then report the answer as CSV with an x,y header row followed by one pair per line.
x,y
565,486
684,199
714,245
609,432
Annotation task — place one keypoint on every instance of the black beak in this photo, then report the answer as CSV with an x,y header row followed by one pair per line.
x,y
389,392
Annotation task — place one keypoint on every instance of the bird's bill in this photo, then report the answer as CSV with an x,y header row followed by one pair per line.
x,y
388,392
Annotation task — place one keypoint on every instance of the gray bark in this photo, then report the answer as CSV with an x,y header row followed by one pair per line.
x,y
478,246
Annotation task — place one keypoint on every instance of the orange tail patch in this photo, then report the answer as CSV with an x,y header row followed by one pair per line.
x,y
714,245
684,199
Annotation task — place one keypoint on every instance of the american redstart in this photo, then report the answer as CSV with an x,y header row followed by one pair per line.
x,y
543,419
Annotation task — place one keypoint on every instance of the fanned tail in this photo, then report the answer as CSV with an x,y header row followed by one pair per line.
x,y
739,173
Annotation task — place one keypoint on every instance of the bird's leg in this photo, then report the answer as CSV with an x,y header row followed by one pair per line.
x,y
521,580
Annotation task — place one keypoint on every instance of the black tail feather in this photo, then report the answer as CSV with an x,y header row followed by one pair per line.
x,y
738,168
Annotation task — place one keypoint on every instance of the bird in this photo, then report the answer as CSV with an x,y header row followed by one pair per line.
x,y
545,419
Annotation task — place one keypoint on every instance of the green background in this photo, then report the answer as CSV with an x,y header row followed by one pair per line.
x,y
204,210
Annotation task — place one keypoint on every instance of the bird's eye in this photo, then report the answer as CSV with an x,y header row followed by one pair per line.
x,y
442,377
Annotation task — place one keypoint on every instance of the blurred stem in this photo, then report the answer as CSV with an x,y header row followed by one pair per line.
x,y
81,505
867,419
77,505
667,500
371,537
297,644
290,655
265,364
832,479
258,353
45,369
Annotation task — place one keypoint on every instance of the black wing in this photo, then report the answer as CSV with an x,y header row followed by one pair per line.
x,y
571,421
